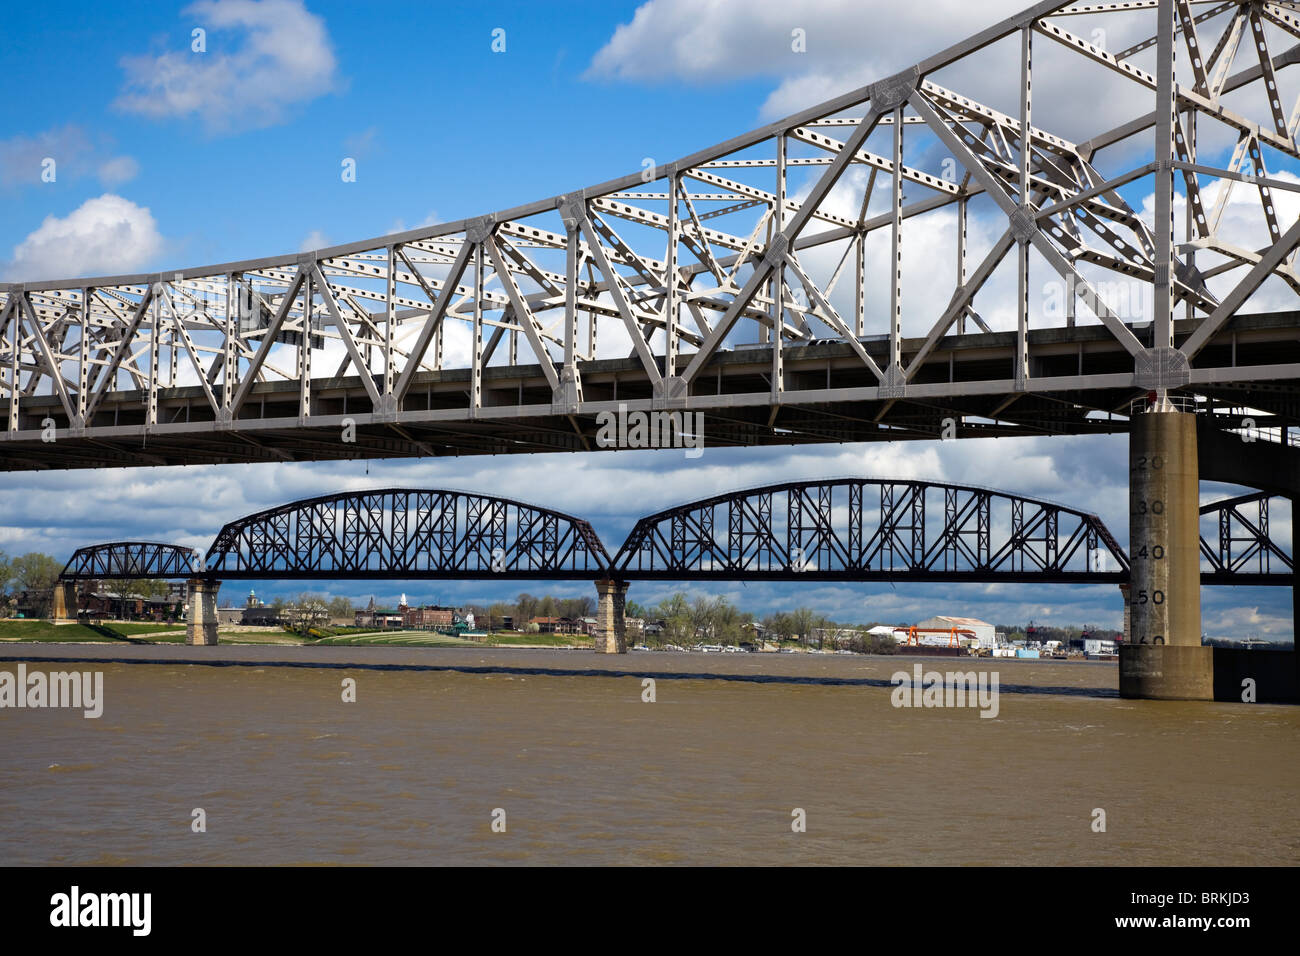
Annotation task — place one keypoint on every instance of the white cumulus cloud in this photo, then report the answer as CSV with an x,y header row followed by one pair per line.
x,y
818,49
108,235
263,56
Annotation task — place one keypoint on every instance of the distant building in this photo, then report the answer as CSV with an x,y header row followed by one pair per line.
x,y
371,616
557,625
96,599
428,618
985,633
257,613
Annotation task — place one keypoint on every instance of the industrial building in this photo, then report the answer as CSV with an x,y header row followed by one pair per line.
x,y
985,633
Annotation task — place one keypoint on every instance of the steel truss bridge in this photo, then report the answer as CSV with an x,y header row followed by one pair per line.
x,y
849,529
740,281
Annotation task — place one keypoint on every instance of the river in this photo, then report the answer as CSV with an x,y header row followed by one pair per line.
x,y
561,748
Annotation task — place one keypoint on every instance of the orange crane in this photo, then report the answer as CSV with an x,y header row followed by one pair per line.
x,y
913,634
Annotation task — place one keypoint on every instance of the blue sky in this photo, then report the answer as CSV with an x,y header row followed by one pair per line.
x,y
442,127
438,123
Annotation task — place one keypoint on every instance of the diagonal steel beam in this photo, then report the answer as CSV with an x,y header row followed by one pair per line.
x,y
648,360
268,342
47,355
1046,249
763,269
109,373
345,333
183,333
961,300
832,318
523,314
438,309
1274,257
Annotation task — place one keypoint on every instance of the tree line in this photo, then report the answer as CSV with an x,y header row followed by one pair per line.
x,y
685,621
32,573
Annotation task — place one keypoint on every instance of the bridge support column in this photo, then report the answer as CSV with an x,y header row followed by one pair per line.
x,y
1128,613
64,609
1164,658
611,634
201,622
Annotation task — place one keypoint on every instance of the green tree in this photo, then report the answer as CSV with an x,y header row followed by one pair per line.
x,y
779,626
130,590
525,609
578,607
36,574
702,618
825,629
728,622
497,615
675,612
307,612
801,621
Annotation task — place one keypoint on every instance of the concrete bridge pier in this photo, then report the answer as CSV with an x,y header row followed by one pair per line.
x,y
64,610
611,632
201,621
1163,657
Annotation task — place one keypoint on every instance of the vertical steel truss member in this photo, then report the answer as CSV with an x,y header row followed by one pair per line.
x,y
726,275
824,532
450,534
398,533
1243,552
131,559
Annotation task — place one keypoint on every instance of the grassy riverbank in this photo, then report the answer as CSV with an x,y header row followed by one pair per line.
x,y
133,632
43,632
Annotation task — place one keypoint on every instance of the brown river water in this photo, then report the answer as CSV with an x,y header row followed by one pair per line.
x,y
587,772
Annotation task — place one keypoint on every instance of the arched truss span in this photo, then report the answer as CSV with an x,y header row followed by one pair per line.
x,y
131,559
869,529
407,533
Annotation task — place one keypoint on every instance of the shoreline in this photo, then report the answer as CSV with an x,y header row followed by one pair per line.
x,y
876,671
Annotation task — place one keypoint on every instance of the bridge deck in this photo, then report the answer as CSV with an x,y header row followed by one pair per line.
x,y
1081,383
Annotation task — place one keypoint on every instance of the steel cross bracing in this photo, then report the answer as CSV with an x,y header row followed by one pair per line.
x,y
846,529
867,529
1243,551
406,533
737,281
132,559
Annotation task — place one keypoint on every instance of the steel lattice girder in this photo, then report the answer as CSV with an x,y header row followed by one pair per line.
x,y
705,270
1243,552
401,533
870,529
848,529
132,560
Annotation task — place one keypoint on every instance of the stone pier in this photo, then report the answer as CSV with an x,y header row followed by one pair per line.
x,y
1163,656
611,635
64,610
1128,614
201,620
